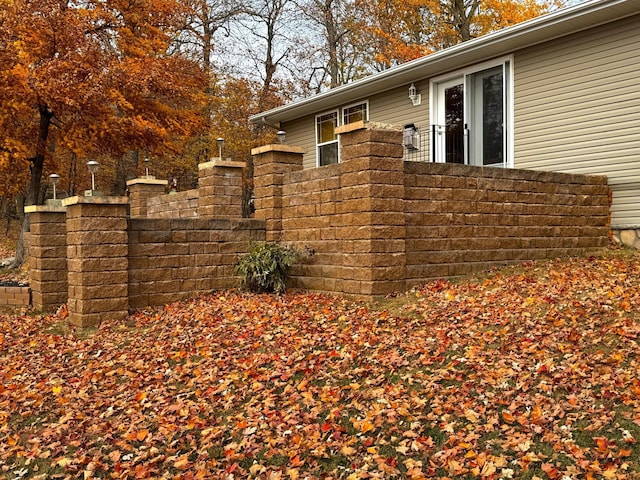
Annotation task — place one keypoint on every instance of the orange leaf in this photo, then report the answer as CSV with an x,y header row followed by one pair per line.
x,y
508,417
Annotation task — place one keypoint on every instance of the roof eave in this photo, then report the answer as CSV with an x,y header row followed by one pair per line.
x,y
546,27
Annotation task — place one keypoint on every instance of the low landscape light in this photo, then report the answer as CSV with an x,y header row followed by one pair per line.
x,y
92,165
220,143
146,162
54,177
282,136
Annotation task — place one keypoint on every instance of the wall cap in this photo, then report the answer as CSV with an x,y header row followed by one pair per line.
x,y
350,127
221,163
146,181
361,125
277,147
102,200
45,209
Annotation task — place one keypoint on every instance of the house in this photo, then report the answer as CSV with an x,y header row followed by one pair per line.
x,y
560,92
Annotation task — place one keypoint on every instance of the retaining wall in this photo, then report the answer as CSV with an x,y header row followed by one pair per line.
x,y
170,260
378,224
373,224
173,205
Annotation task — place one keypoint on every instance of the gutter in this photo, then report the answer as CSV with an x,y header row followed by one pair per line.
x,y
493,44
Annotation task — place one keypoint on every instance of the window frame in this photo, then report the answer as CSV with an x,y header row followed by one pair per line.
x,y
364,103
320,144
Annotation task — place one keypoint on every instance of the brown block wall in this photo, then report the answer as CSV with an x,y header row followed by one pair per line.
x,y
170,260
270,164
173,205
15,296
141,192
97,249
351,216
220,189
377,224
462,219
48,259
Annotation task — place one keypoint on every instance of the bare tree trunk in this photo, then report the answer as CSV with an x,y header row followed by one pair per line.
x,y
33,193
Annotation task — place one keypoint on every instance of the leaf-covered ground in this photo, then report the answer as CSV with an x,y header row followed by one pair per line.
x,y
531,372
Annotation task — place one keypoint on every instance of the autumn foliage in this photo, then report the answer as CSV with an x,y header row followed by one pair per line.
x,y
91,79
531,372
397,32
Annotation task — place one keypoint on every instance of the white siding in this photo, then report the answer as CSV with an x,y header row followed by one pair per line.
x,y
577,109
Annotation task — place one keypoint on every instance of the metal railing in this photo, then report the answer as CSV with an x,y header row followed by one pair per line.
x,y
425,143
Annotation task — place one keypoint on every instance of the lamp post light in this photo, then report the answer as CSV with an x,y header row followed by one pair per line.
x,y
54,177
282,136
146,161
92,165
220,143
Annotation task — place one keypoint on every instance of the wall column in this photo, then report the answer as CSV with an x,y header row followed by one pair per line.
x,y
270,164
48,256
97,250
372,196
220,189
142,189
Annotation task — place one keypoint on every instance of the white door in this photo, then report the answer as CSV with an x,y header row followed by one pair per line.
x,y
469,118
449,126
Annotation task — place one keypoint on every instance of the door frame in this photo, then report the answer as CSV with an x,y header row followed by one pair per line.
x,y
434,98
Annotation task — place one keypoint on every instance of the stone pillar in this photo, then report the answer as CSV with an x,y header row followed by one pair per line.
x,y
270,164
142,189
97,250
48,256
372,196
220,189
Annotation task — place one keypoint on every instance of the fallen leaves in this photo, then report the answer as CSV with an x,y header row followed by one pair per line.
x,y
530,372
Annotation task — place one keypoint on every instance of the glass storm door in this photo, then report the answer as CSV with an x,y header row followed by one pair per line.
x,y
486,115
449,130
470,114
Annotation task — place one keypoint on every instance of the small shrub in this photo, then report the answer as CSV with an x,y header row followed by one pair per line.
x,y
266,267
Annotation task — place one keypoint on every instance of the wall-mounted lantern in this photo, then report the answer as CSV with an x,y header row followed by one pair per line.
x,y
414,96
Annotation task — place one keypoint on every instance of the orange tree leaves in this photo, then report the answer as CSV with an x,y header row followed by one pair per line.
x,y
401,31
93,79
529,373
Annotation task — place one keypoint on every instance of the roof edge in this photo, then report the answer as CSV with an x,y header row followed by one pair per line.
x,y
350,91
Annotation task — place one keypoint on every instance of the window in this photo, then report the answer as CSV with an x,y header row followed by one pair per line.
x,y
326,138
355,113
472,115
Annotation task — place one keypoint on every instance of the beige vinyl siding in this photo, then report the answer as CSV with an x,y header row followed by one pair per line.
x,y
577,109
624,207
302,133
392,107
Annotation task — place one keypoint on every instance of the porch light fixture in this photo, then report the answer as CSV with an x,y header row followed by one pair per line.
x,y
414,96
220,143
282,136
92,165
54,177
146,162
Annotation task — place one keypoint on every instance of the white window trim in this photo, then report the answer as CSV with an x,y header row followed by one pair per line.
x,y
365,102
337,140
477,67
